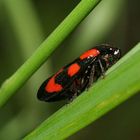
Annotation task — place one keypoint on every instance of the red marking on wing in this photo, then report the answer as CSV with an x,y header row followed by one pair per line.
x,y
52,86
90,53
73,69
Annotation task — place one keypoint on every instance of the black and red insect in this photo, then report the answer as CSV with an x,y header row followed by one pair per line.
x,y
79,75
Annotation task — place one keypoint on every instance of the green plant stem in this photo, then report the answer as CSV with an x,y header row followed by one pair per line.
x,y
122,81
11,85
23,18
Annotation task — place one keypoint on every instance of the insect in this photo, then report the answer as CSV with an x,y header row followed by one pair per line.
x,y
79,75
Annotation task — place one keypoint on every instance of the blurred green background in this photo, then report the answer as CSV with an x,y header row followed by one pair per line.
x,y
24,24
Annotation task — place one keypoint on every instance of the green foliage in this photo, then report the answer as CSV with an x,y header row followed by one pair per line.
x,y
121,82
11,85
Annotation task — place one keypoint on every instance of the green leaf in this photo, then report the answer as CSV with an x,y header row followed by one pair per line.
x,y
11,85
121,82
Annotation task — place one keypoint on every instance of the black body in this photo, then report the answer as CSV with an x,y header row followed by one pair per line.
x,y
91,68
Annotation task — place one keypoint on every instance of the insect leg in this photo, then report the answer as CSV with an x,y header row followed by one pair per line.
x,y
102,68
91,77
74,92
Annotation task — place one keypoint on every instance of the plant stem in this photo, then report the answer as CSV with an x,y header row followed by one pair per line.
x,y
122,81
11,85
23,18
